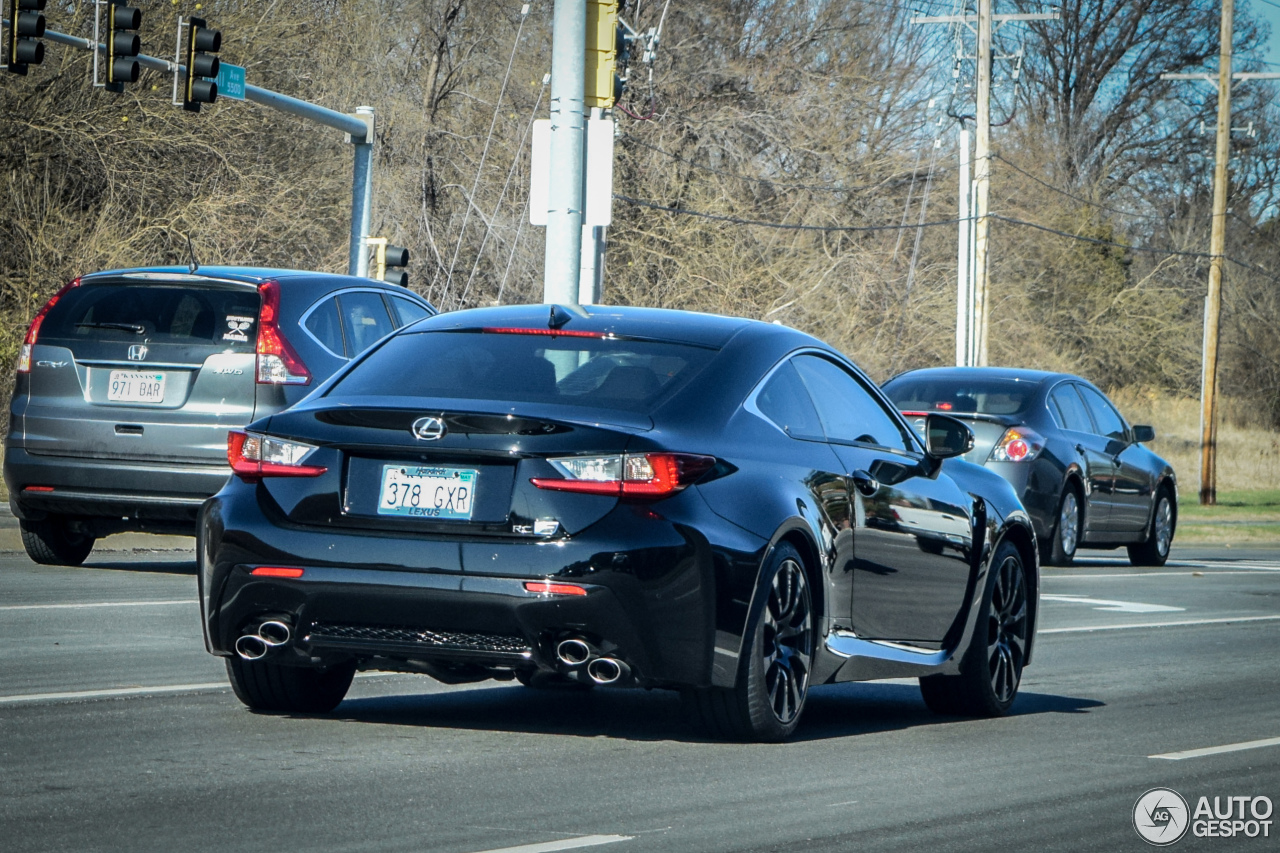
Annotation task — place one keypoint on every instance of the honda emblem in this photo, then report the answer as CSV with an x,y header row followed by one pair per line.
x,y
137,352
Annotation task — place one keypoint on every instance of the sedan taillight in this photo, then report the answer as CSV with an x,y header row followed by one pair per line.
x,y
641,476
254,456
1018,444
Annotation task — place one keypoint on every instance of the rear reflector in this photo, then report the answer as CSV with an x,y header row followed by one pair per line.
x,y
33,331
38,489
276,572
549,588
553,333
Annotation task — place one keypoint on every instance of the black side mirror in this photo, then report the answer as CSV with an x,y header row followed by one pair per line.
x,y
1143,433
946,437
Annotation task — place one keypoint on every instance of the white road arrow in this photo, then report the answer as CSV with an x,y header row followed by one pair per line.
x,y
1112,606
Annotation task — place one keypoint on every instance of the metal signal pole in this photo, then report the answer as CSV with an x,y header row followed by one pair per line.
x,y
565,198
982,181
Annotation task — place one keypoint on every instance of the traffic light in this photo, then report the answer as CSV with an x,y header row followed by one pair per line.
x,y
122,45
603,38
386,255
196,89
26,27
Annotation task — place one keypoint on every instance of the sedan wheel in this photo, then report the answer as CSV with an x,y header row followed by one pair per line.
x,y
1154,551
773,675
1066,532
992,666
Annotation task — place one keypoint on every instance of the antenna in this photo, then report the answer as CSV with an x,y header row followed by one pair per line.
x,y
191,250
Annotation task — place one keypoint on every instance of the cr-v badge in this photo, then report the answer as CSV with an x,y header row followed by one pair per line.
x,y
428,429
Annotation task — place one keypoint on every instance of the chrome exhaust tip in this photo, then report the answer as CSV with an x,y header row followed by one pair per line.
x,y
573,652
251,647
273,632
605,670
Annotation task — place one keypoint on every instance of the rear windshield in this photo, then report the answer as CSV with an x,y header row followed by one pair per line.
x,y
225,318
985,397
604,373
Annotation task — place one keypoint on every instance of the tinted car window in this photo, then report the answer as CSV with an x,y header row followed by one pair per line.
x,y
408,310
848,412
364,319
1069,410
986,397
785,402
323,323
175,314
1109,422
606,373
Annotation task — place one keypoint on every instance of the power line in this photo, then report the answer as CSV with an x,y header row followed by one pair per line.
x,y
781,226
1063,192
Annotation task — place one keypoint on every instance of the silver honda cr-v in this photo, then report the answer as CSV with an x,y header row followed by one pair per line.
x,y
129,380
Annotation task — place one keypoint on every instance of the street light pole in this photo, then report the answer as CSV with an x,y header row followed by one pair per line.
x,y
563,259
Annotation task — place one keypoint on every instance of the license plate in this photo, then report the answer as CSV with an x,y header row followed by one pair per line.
x,y
427,492
132,386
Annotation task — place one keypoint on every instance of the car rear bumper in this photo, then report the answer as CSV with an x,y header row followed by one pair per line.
x,y
133,493
397,601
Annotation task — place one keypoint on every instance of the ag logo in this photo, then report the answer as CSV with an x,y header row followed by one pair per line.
x,y
428,429
1160,816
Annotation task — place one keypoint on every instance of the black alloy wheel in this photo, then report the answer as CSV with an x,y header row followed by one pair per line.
x,y
773,674
275,688
991,670
1154,550
52,542
1068,529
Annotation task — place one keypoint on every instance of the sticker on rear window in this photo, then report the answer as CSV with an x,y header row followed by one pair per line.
x,y
238,327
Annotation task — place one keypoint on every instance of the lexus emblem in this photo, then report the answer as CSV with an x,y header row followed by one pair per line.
x,y
137,352
428,429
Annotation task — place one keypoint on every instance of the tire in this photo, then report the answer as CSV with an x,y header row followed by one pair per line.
x,y
1067,527
1154,550
289,689
51,542
773,675
991,669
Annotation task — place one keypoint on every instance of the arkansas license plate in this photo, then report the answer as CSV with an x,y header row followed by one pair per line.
x,y
427,492
133,386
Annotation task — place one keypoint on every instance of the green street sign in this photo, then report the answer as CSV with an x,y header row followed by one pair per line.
x,y
230,81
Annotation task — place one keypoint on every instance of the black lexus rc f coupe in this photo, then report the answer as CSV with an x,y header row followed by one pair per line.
x,y
615,497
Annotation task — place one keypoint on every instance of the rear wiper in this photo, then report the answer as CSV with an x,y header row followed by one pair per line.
x,y
124,327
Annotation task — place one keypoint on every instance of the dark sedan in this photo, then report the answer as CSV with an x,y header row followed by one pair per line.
x,y
1079,467
615,497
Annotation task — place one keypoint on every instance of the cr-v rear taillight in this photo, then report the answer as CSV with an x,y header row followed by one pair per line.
x,y
278,362
24,355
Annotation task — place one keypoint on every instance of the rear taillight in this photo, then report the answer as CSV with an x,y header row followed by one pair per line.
x,y
278,362
254,456
630,475
1018,444
24,355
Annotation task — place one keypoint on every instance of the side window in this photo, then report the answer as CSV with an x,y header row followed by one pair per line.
x,y
364,319
785,402
408,310
849,413
1067,405
323,324
1109,421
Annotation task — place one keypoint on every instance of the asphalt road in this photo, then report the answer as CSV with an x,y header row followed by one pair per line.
x,y
117,732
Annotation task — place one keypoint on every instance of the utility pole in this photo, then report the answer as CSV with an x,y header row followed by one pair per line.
x,y
1217,248
563,259
974,296
982,181
962,256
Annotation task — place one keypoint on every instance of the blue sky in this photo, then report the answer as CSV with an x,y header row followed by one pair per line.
x,y
1271,13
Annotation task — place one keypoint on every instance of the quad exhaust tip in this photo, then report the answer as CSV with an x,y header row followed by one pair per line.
x,y
271,634
251,647
605,670
274,632
574,652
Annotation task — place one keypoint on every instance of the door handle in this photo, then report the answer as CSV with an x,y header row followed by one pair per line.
x,y
865,483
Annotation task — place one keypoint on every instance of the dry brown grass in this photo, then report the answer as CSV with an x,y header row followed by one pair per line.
x,y
1248,452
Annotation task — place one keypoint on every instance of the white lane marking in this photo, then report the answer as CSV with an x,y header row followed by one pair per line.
x,y
564,844
1206,571
850,803
1218,750
1082,629
1113,606
114,691
97,604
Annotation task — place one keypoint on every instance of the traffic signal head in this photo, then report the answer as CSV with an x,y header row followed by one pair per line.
x,y
396,258
122,45
601,54
26,28
198,85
